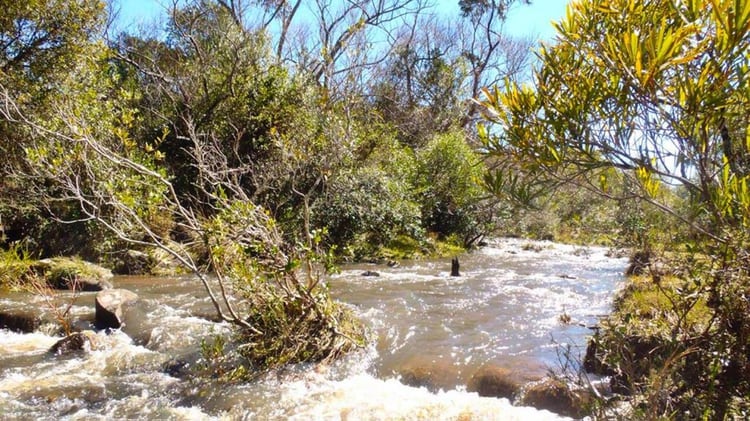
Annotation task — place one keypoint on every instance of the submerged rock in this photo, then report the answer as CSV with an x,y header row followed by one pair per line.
x,y
370,273
109,307
559,397
79,341
495,382
432,375
178,368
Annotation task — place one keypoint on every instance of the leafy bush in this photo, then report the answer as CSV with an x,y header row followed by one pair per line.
x,y
364,209
452,202
677,339
286,316
15,266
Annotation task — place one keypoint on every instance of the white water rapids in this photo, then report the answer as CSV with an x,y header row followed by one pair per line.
x,y
503,311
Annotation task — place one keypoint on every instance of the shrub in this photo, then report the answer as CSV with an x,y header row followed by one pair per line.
x,y
451,200
365,209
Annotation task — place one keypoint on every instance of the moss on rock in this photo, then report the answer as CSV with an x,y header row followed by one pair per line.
x,y
72,273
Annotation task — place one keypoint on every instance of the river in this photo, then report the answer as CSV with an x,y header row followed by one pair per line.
x,y
504,310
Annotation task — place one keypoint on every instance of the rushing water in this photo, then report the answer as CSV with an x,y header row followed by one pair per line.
x,y
504,311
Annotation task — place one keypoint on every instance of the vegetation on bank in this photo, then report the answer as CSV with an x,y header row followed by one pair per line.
x,y
654,96
19,271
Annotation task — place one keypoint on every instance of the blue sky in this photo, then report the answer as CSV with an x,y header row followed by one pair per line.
x,y
532,20
536,19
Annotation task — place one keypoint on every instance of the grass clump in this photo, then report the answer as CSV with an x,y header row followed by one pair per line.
x,y
15,267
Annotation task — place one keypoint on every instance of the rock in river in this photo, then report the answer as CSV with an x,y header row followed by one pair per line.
x,y
133,262
20,320
109,307
496,382
73,273
557,396
76,342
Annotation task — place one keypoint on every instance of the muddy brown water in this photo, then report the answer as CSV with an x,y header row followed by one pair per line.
x,y
503,311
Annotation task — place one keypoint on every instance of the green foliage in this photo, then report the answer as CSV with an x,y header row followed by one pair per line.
x,y
85,148
404,247
15,267
655,93
217,363
423,89
228,90
43,43
205,145
287,319
665,344
65,272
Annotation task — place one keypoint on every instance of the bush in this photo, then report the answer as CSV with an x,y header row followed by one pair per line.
x,y
15,267
284,315
365,209
452,202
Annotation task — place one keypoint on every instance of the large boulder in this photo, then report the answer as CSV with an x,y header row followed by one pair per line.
x,y
73,273
165,264
110,305
155,262
29,319
133,262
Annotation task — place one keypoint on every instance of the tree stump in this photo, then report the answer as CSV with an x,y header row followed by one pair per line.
x,y
454,267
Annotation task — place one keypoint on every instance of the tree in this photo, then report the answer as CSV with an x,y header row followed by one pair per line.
x,y
452,201
437,63
421,88
213,76
655,93
40,42
232,246
655,90
40,38
492,55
